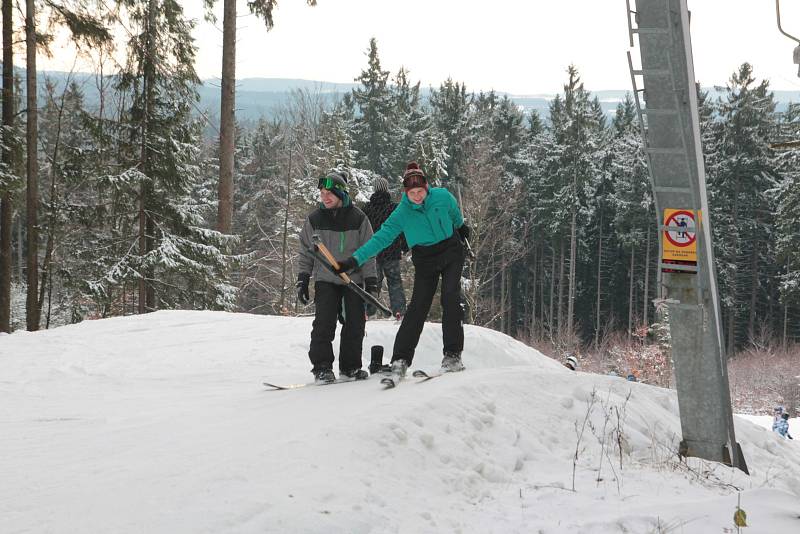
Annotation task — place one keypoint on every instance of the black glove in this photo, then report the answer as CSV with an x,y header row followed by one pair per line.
x,y
302,288
371,287
464,232
345,266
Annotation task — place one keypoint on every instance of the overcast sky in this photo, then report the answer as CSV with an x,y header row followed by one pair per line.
x,y
518,46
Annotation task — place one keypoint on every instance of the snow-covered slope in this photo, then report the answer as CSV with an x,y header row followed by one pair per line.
x,y
159,423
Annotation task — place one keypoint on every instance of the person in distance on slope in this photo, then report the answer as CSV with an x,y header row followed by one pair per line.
x,y
433,227
777,412
378,209
781,426
342,228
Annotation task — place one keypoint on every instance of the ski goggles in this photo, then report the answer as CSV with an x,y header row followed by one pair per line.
x,y
331,184
415,180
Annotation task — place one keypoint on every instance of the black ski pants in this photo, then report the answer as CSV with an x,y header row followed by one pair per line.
x,y
327,299
443,260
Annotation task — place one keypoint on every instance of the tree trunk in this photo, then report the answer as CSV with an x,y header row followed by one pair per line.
x,y
32,308
561,291
645,299
503,284
731,330
751,322
551,317
630,293
227,118
573,239
146,225
527,303
7,159
20,247
492,297
599,284
533,293
286,231
142,289
47,271
786,305
542,275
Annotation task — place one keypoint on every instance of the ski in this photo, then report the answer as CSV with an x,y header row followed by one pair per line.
x,y
278,387
425,376
389,382
419,373
284,387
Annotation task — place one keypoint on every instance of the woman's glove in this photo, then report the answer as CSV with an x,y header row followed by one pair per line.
x,y
345,266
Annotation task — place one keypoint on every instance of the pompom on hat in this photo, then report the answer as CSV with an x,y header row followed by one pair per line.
x,y
381,185
414,177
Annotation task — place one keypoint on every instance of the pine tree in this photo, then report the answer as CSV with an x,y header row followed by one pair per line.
x,y
84,28
415,137
374,126
575,144
451,109
335,144
263,9
787,216
502,122
741,208
634,217
179,262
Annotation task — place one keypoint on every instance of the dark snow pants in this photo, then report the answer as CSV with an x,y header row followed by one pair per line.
x,y
390,269
327,299
443,260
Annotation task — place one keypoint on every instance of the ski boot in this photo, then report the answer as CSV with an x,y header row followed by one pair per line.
x,y
452,362
399,368
323,376
353,374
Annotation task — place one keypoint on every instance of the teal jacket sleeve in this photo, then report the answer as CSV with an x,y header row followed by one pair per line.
x,y
455,212
381,239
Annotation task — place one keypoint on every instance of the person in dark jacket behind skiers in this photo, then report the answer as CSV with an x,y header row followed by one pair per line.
x,y
433,227
378,209
342,228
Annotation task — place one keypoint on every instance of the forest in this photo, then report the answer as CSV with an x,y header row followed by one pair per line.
x,y
127,205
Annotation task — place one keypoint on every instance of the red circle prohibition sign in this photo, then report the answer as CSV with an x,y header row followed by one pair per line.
x,y
690,235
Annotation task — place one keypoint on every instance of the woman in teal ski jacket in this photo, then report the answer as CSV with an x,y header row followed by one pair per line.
x,y
434,229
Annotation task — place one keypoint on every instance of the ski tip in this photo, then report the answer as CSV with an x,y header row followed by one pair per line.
x,y
388,383
274,387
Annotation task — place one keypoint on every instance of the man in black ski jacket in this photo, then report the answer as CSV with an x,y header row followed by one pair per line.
x,y
342,228
378,209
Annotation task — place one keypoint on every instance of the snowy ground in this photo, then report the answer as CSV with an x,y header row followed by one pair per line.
x,y
159,423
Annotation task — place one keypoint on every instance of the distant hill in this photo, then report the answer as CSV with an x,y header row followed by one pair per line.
x,y
258,98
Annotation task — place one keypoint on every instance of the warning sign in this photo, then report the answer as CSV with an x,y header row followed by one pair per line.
x,y
680,235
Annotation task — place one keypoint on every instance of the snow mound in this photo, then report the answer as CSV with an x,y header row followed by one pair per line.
x,y
159,423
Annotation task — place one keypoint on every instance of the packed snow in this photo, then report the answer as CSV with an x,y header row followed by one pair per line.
x,y
159,423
